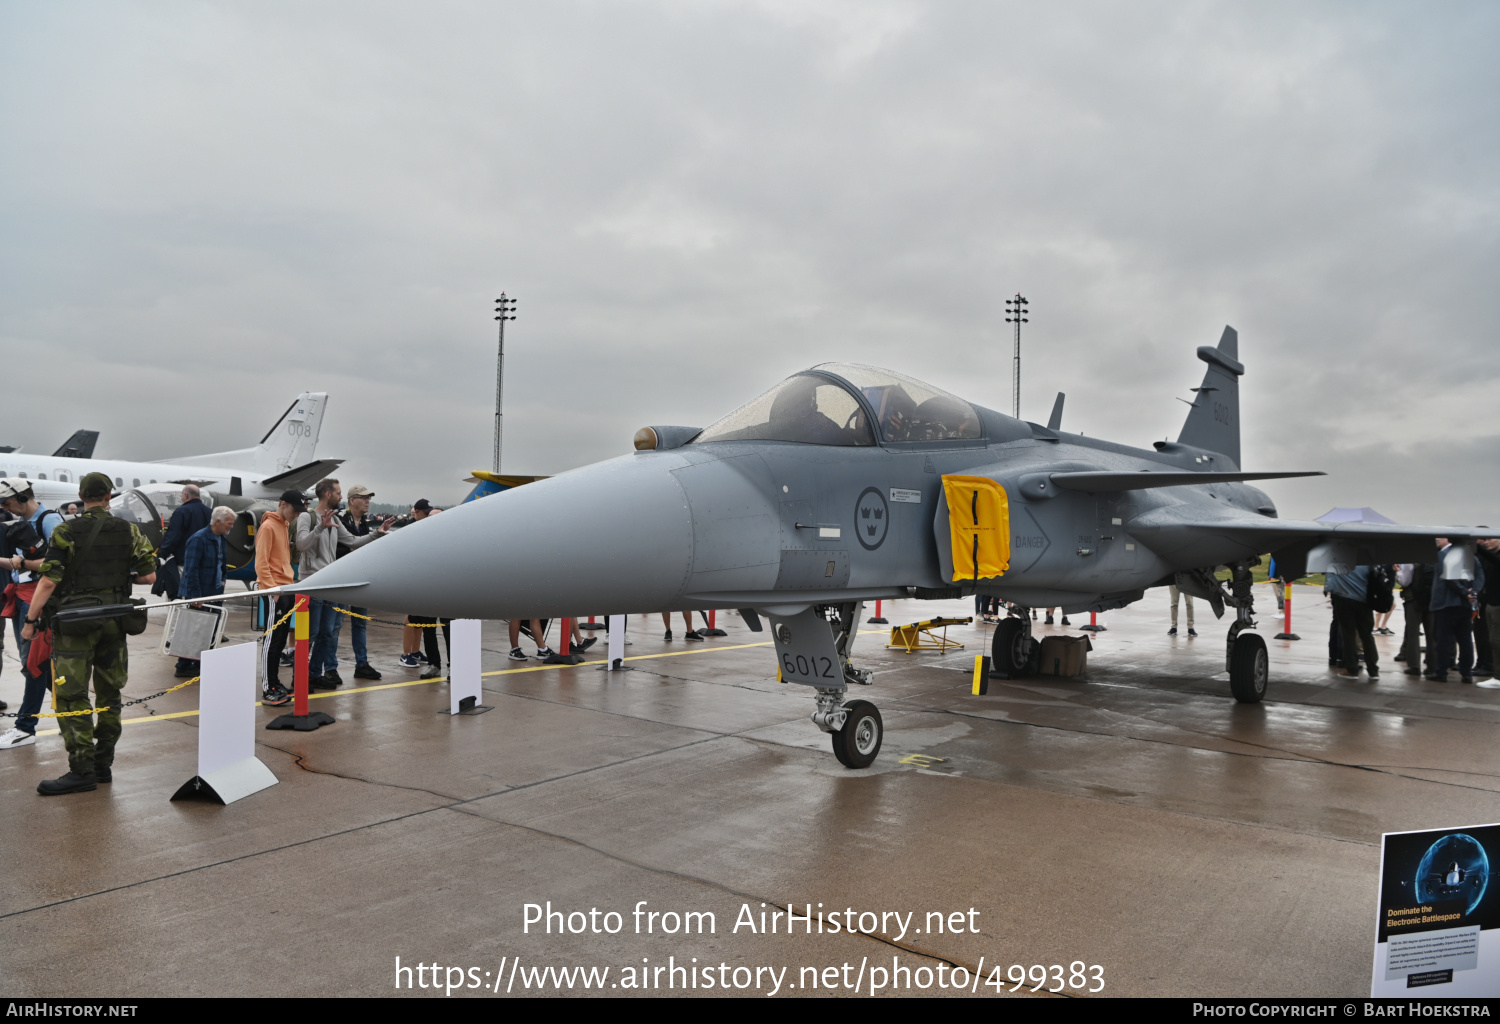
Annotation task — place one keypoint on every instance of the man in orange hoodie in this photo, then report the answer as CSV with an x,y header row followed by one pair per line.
x,y
273,568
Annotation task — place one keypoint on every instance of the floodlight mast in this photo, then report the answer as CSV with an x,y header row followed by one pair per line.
x,y
505,309
1015,313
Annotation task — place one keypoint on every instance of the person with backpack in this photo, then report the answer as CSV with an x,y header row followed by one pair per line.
x,y
24,543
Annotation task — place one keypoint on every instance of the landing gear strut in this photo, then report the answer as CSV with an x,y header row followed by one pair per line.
x,y
813,648
1014,652
1245,653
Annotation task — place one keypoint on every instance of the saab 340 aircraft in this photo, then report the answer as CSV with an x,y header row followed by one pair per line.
x,y
281,461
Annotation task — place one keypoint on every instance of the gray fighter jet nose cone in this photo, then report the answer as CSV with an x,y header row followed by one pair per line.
x,y
609,538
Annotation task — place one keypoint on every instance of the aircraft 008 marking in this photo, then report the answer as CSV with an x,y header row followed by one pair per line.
x,y
755,512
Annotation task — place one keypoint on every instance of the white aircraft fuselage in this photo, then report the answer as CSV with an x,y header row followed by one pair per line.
x,y
282,460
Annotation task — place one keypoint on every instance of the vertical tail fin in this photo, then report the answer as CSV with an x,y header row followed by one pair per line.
x,y
293,438
1214,422
289,443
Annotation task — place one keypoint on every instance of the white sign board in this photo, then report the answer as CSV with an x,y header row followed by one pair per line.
x,y
463,668
228,769
1438,932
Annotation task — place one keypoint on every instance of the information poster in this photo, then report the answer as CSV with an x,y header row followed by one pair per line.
x,y
1439,929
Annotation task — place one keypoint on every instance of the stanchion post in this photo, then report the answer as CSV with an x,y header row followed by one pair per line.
x,y
300,719
712,629
563,654
1093,626
1286,624
877,619
301,627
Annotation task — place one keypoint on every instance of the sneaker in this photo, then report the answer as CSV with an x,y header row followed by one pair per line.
x,y
575,648
366,671
668,635
543,653
104,775
1400,657
421,658
409,661
1192,631
1172,631
318,683
1412,671
692,634
1373,672
185,671
1048,622
73,782
432,672
287,657
1433,677
16,738
516,654
587,643
1065,621
276,696
332,678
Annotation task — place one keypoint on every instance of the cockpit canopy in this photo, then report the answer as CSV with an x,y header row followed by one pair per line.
x,y
823,406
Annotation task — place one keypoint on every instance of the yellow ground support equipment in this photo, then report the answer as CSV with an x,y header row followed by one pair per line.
x,y
919,636
979,523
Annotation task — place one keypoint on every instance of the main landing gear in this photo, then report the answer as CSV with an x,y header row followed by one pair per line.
x,y
1014,651
1245,655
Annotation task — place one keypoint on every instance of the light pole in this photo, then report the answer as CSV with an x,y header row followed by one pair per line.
x,y
505,309
1015,313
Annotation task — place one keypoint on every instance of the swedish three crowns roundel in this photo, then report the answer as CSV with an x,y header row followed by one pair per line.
x,y
872,517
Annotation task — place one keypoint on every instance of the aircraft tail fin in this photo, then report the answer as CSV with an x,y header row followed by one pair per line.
x,y
290,442
79,446
1214,422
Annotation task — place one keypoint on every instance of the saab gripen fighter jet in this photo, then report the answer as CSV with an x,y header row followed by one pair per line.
x,y
847,483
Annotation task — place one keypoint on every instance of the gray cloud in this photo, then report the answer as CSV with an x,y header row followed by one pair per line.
x,y
209,207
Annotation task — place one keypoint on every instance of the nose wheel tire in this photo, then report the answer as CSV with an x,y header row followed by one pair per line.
x,y
1009,651
1249,668
857,743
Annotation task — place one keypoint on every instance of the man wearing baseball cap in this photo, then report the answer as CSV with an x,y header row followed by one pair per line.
x,y
356,520
273,568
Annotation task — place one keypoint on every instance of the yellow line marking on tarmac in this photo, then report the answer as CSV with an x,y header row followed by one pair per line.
x,y
439,679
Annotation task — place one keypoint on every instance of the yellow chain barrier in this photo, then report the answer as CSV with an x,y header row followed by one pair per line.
x,y
90,711
60,680
387,622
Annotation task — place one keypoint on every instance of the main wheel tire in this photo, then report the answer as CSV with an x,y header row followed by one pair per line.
x,y
1008,649
857,743
1249,668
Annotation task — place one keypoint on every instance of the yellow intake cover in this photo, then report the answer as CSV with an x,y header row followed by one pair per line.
x,y
979,521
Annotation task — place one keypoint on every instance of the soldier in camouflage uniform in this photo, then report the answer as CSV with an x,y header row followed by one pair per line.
x,y
94,556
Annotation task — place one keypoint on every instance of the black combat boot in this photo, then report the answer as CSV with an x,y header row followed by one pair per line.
x,y
73,782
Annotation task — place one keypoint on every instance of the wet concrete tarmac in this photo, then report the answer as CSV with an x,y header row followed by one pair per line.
x,y
1136,819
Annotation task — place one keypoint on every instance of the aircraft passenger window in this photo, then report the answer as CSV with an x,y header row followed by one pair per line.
x,y
907,409
119,482
62,477
135,482
153,481
41,476
23,474
804,409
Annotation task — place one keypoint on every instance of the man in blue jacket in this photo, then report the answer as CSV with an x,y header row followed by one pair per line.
x,y
1454,601
190,517
1355,618
203,569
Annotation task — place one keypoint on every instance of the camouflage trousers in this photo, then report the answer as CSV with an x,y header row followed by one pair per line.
x,y
100,653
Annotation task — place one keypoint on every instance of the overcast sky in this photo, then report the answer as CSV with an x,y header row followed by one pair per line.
x,y
206,208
